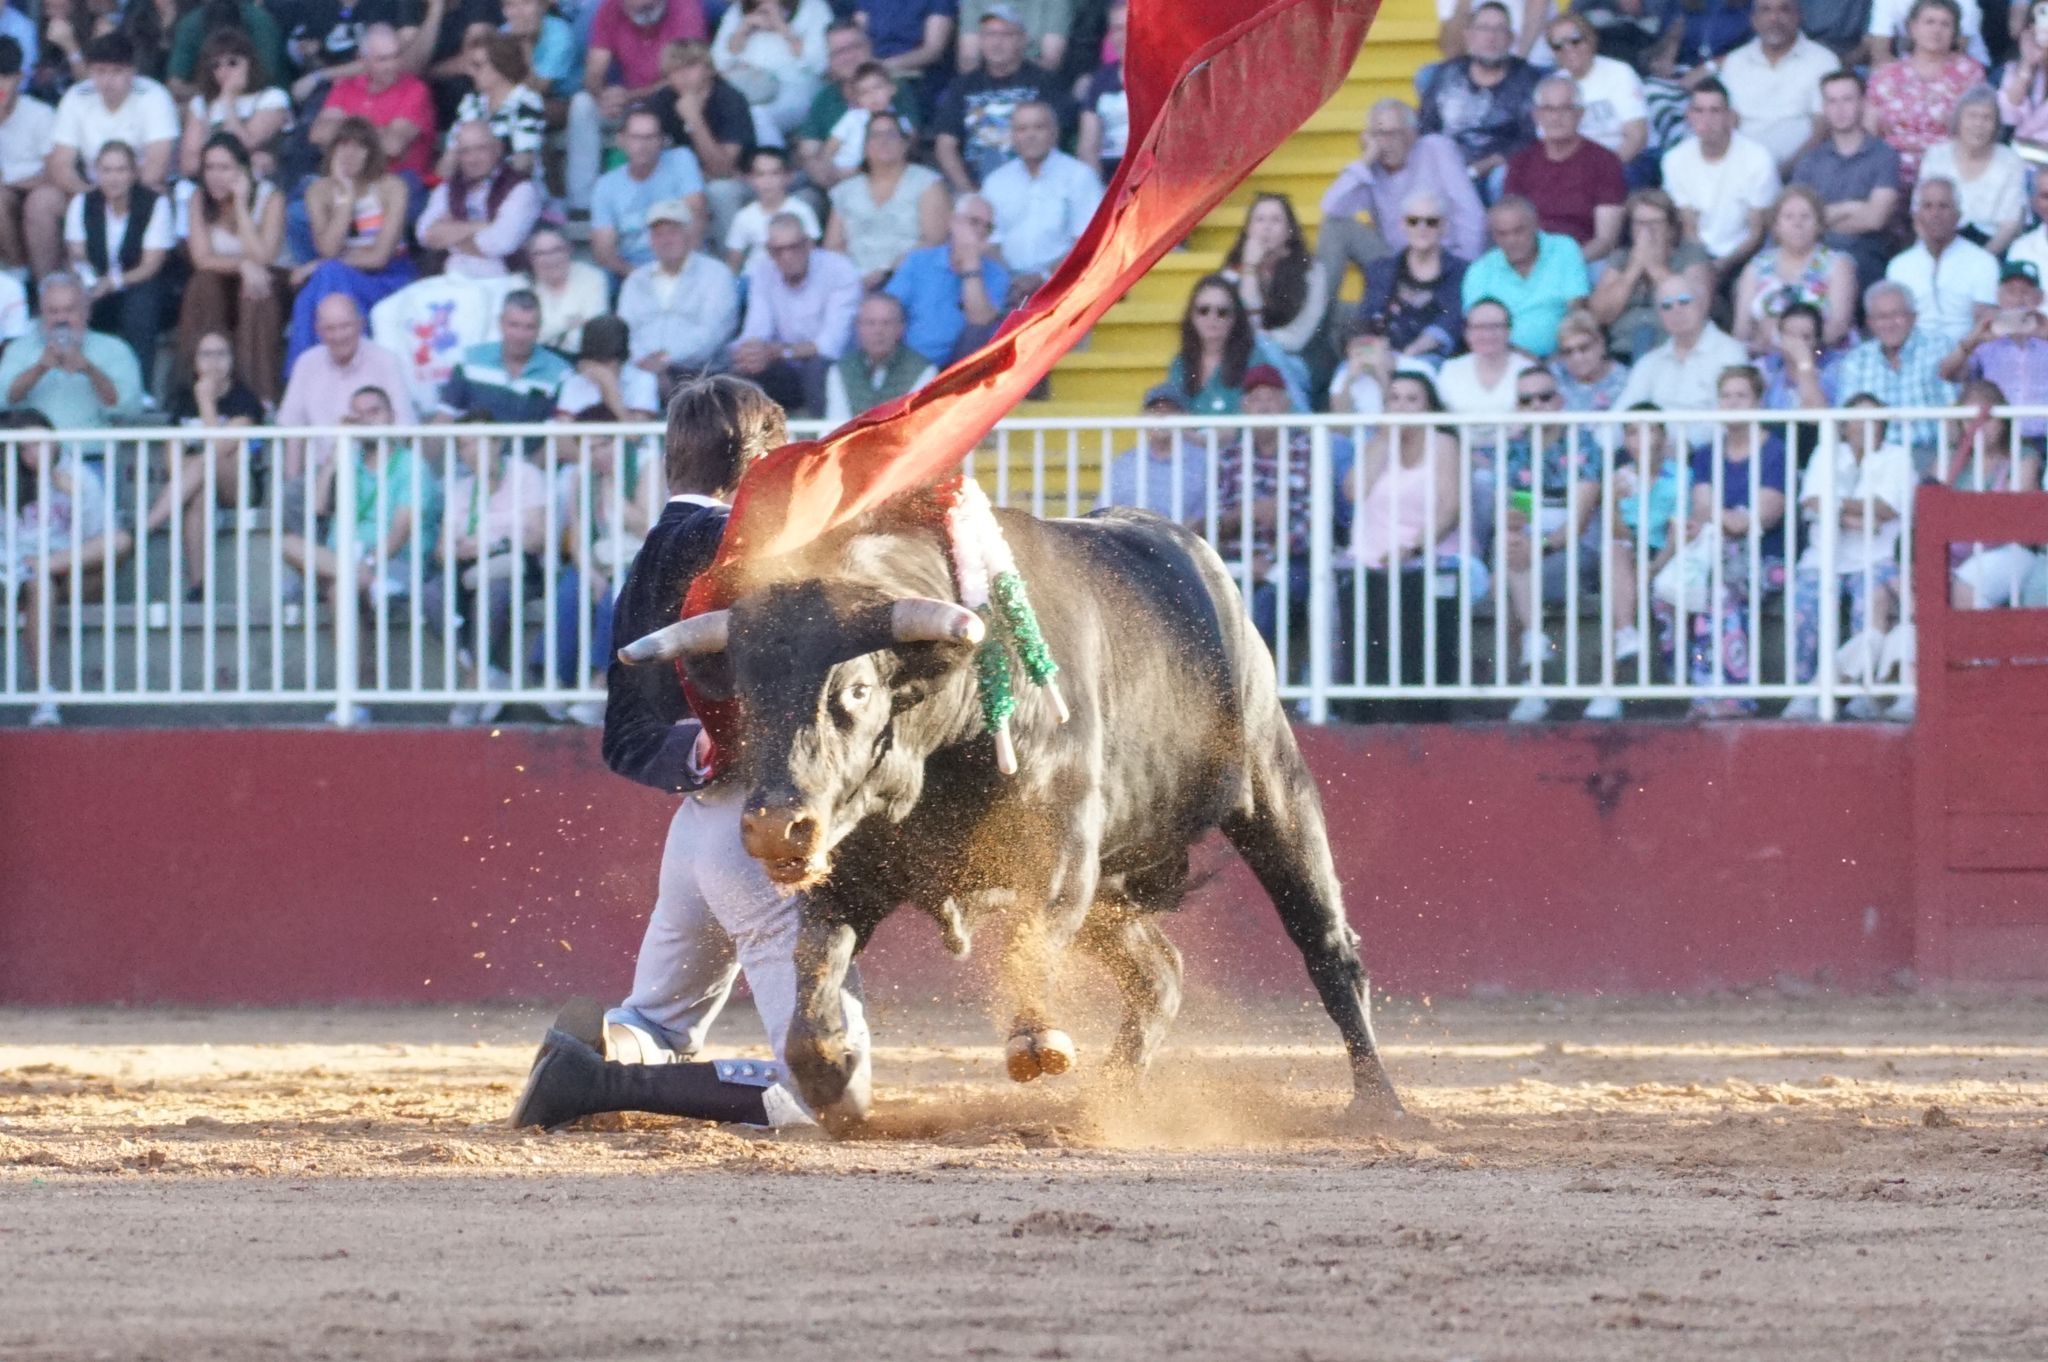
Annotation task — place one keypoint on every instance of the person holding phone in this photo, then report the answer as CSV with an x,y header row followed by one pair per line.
x,y
76,377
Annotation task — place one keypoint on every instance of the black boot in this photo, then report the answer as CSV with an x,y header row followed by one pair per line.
x,y
570,1079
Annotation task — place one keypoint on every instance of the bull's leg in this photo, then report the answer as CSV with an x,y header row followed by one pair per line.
x,y
1281,835
1039,943
1147,971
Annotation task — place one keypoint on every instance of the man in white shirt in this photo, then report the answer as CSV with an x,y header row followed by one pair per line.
x,y
1042,197
1723,182
1954,282
1774,81
112,105
2032,246
1684,373
26,126
682,306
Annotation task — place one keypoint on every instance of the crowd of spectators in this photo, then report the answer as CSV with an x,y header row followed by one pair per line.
x,y
1749,207
226,214
451,210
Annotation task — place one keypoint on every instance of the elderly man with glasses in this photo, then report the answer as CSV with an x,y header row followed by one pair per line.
x,y
1576,185
952,293
1396,163
1684,373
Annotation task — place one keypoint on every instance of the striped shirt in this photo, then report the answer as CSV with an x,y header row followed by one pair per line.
x,y
481,383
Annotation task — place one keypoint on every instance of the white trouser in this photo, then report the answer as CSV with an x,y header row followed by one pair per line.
x,y
718,914
585,150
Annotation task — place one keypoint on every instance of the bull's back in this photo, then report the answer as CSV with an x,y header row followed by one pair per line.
x,y
1141,613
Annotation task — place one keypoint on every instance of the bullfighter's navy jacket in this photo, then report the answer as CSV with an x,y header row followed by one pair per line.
x,y
648,731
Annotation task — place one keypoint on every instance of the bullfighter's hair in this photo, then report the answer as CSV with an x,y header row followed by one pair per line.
x,y
717,426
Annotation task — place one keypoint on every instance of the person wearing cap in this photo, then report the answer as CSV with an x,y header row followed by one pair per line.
x,y
1045,24
1260,467
654,172
1169,473
1954,281
683,305
973,119
603,379
2009,347
878,367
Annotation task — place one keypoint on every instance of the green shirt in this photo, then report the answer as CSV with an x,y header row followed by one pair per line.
x,y
382,491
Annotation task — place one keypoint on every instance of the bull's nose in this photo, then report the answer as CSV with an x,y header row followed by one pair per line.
x,y
778,832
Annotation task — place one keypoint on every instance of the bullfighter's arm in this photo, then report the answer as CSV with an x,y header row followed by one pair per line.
x,y
648,732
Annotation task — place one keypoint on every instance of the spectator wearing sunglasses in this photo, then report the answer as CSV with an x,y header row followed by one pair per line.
x,y
1616,114
1576,185
1553,480
1411,297
1587,376
1219,347
1682,374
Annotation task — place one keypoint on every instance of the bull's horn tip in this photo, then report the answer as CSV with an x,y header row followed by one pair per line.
x,y
1059,701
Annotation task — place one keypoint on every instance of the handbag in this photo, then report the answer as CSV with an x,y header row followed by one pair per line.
x,y
1682,583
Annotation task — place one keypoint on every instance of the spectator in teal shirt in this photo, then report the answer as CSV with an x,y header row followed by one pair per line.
x,y
1538,275
553,52
76,377
388,532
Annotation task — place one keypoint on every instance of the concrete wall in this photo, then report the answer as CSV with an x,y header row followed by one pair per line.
x,y
281,866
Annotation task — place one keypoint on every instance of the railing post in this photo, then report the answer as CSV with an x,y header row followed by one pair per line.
x,y
1830,541
1319,607
347,611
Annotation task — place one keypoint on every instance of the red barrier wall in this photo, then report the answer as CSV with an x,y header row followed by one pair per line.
x,y
268,866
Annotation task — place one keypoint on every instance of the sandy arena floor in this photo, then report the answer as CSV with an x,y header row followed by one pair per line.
x,y
1732,1179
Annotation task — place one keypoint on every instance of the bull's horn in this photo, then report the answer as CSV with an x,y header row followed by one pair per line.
x,y
920,619
705,633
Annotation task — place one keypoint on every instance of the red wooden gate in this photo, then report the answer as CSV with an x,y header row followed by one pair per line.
x,y
1980,756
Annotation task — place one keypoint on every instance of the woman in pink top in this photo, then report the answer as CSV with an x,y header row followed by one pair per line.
x,y
1913,99
1404,497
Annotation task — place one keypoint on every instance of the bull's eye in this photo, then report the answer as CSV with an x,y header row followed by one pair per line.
x,y
855,696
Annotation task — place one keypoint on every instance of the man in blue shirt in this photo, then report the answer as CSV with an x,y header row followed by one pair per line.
x,y
653,173
1536,275
510,380
953,294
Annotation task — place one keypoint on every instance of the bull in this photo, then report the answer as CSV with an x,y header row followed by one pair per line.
x,y
873,781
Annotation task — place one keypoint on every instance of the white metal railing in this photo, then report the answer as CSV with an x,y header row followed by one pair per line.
x,y
172,567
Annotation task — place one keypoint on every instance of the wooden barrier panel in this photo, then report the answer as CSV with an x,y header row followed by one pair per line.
x,y
412,865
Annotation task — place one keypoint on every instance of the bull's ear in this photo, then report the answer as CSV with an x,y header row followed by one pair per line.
x,y
922,667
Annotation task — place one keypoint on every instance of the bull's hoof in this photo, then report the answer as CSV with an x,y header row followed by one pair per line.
x,y
1381,1113
1057,1052
1032,1053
